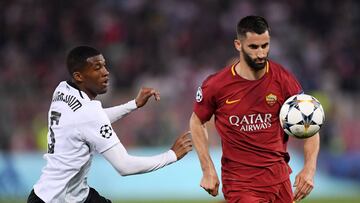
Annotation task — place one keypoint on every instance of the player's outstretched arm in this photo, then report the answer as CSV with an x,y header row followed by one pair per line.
x,y
117,112
127,164
210,181
304,181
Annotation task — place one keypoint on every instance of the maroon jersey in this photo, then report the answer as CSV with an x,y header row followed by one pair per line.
x,y
247,119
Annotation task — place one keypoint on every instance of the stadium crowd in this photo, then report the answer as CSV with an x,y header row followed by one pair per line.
x,y
171,45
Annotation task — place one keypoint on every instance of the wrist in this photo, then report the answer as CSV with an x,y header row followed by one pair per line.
x,y
209,171
310,168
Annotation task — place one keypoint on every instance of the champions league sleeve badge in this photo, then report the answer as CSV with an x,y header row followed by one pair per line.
x,y
106,131
199,95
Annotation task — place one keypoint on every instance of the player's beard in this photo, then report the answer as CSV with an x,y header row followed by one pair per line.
x,y
251,62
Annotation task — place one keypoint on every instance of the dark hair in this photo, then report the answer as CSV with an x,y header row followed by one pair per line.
x,y
76,58
255,24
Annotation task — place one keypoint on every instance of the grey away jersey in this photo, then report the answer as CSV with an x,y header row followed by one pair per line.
x,y
78,127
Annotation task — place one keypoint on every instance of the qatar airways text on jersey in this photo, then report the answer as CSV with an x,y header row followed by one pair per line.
x,y
251,122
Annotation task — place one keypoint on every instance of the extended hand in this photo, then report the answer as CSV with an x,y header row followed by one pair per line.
x,y
144,94
304,183
182,145
210,183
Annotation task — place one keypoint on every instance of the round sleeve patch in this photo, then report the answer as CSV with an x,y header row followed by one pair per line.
x,y
106,131
199,95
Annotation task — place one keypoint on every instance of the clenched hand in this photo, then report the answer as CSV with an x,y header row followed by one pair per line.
x,y
210,183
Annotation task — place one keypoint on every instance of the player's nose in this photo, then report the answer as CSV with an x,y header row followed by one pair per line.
x,y
261,55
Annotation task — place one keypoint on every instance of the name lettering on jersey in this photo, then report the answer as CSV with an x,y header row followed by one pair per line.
x,y
70,100
252,122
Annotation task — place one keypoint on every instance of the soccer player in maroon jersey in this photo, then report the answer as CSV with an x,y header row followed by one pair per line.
x,y
245,99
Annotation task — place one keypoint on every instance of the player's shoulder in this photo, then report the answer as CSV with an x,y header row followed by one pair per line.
x,y
75,105
217,78
92,111
278,69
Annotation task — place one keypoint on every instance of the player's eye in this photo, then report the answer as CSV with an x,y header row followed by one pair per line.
x,y
253,46
264,45
97,67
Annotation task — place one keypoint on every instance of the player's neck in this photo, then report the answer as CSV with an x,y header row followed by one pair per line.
x,y
80,87
246,72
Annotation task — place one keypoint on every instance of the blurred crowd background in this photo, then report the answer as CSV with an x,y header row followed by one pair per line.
x,y
172,45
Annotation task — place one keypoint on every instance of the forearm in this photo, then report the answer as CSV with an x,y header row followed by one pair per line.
x,y
117,112
200,142
126,164
311,151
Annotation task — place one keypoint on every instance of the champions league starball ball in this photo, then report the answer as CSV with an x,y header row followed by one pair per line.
x,y
301,116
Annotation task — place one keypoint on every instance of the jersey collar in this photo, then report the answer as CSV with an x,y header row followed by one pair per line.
x,y
73,85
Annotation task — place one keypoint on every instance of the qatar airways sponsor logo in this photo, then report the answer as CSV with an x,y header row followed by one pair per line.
x,y
251,122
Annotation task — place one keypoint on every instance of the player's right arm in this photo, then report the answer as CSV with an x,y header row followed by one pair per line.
x,y
210,181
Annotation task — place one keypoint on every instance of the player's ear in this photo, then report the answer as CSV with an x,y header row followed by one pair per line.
x,y
237,44
77,76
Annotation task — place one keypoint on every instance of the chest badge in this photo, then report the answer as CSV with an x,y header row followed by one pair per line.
x,y
271,99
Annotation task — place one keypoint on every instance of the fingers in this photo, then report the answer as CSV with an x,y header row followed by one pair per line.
x,y
213,191
303,192
303,188
148,92
156,95
144,94
186,134
182,145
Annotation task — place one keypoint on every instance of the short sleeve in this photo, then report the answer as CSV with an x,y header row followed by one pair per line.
x,y
98,132
205,105
291,85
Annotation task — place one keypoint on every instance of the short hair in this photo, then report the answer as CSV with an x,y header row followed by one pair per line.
x,y
76,58
255,24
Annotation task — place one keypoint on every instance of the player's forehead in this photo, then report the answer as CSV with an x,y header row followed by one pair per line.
x,y
96,59
257,39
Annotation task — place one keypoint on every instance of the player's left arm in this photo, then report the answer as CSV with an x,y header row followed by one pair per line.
x,y
117,112
304,181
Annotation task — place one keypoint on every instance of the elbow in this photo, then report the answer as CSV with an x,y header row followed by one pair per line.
x,y
123,171
194,121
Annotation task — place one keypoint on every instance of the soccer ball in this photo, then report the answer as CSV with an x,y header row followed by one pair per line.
x,y
301,116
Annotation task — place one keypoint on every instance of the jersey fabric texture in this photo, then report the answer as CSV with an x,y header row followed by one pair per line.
x,y
78,127
246,117
279,193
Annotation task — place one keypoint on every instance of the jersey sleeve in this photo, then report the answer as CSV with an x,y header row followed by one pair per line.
x,y
117,112
291,85
98,132
205,105
127,164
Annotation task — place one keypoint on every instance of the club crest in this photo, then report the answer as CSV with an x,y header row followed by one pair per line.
x,y
271,99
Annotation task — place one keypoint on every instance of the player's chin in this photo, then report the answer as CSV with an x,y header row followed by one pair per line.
x,y
103,90
258,66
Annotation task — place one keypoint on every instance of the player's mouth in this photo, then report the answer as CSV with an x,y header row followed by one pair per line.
x,y
106,82
260,61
